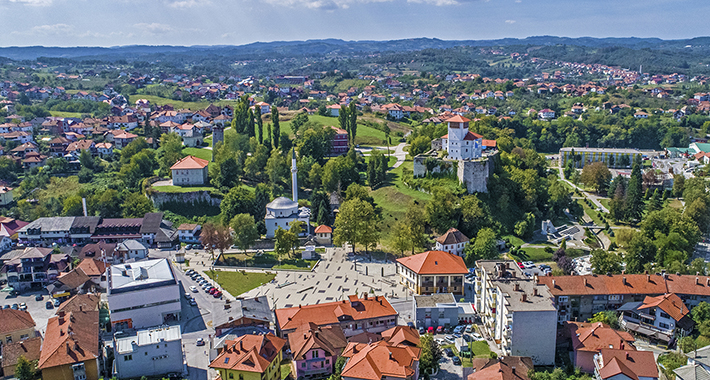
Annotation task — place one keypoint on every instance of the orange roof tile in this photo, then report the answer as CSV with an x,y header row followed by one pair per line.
x,y
250,353
434,262
594,284
13,320
634,364
401,335
323,229
190,162
595,336
92,267
69,339
330,312
501,368
379,360
670,303
457,119
452,236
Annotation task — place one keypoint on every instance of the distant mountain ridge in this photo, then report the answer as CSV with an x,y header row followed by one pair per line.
x,y
335,46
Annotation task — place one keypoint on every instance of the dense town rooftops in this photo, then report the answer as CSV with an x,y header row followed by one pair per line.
x,y
139,275
434,262
452,236
379,360
651,284
70,338
634,364
310,336
13,320
250,353
352,309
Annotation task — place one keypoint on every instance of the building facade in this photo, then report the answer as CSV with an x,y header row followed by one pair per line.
x,y
453,241
190,171
251,357
612,157
460,143
149,352
143,294
432,272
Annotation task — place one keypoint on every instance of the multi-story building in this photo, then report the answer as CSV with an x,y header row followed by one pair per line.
x,y
381,360
441,309
315,350
35,268
509,304
149,352
190,171
460,143
16,325
432,272
612,157
189,233
71,347
339,142
657,317
354,315
580,297
250,357
11,352
143,294
611,364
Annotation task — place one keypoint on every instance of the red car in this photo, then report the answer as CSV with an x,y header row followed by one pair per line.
x,y
430,329
521,265
440,329
217,294
213,290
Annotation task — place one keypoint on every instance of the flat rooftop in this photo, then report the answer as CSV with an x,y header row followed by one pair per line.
x,y
513,292
606,150
500,269
125,340
140,275
434,299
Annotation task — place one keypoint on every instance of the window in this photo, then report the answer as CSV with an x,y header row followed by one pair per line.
x,y
8,339
563,299
303,365
231,375
664,325
128,358
614,297
664,315
315,354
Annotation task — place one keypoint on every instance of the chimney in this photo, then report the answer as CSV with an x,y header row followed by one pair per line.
x,y
554,286
623,271
365,296
516,287
512,274
624,280
513,369
627,355
585,282
645,272
677,273
707,281
305,336
535,292
507,265
524,298
697,281
648,277
391,355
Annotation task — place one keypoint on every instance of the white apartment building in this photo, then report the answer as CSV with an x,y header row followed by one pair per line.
x,y
155,351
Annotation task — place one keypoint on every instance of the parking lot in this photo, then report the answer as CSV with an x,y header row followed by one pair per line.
x,y
37,309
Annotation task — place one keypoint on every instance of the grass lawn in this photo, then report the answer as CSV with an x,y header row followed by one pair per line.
x,y
65,114
177,104
479,349
269,260
237,283
204,154
285,369
180,189
514,240
675,203
533,254
592,213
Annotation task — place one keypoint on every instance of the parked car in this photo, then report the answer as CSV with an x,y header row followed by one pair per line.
x,y
422,331
6,307
217,294
410,324
529,265
48,305
469,328
57,302
521,265
440,329
188,296
39,297
544,267
213,291
450,339
23,306
459,329
193,289
449,352
467,338
15,306
200,342
188,247
430,329
193,302
456,360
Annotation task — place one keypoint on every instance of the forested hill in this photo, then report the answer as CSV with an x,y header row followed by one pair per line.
x,y
333,46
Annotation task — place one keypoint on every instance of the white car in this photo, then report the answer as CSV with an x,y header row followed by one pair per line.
x,y
529,265
193,289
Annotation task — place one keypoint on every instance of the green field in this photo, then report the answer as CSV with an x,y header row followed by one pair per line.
x,y
237,283
65,114
177,104
204,154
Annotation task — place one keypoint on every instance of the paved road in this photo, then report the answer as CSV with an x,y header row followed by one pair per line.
x,y
396,151
592,197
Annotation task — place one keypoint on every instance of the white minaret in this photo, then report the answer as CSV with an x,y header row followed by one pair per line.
x,y
294,180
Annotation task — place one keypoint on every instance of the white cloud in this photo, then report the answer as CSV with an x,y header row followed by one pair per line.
x,y
344,4
34,3
154,28
183,4
510,21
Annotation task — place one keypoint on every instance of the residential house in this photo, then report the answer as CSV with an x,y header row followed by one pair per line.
x,y
435,310
315,350
339,142
70,283
143,294
127,122
698,366
75,148
264,107
190,171
70,350
189,233
546,114
123,139
95,270
243,312
432,272
11,352
588,339
101,251
501,368
8,231
657,317
35,268
354,315
150,352
33,160
453,241
131,250
81,302
334,109
380,360
104,149
611,364
58,145
580,297
323,235
251,357
16,325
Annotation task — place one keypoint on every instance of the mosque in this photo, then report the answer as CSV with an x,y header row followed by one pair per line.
x,y
282,211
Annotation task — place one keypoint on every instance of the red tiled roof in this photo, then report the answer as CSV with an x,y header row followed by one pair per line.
x,y
72,340
14,320
670,303
323,229
501,368
489,143
331,339
434,262
594,284
595,336
190,162
379,360
250,353
401,335
80,302
634,364
29,348
457,119
92,267
452,236
330,312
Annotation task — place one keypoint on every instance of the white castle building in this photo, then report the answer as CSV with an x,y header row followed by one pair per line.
x,y
282,211
460,143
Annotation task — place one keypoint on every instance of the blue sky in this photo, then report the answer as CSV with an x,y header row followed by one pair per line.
x,y
236,22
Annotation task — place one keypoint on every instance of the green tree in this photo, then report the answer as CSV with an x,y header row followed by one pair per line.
x,y
277,168
377,168
352,122
443,210
284,241
133,148
86,159
171,145
640,251
430,355
25,369
605,262
259,125
596,175
357,223
654,203
634,192
238,200
701,312
343,122
419,145
136,205
245,232
249,128
484,247
107,203
276,131
298,121
606,317
73,206
678,185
